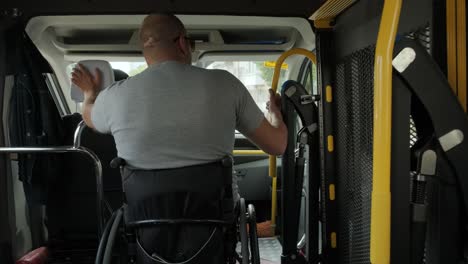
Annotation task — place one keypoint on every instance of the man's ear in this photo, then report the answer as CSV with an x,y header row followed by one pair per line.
x,y
184,46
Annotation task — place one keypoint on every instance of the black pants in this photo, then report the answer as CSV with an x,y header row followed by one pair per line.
x,y
161,195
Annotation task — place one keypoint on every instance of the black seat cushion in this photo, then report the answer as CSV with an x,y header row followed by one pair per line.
x,y
72,210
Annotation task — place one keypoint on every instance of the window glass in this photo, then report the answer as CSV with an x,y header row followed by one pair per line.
x,y
131,68
255,75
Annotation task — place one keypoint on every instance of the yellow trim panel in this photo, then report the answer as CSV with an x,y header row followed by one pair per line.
x,y
381,196
325,23
331,9
329,94
331,190
333,239
330,145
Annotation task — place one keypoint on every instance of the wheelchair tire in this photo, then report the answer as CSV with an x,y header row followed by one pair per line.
x,y
253,237
243,232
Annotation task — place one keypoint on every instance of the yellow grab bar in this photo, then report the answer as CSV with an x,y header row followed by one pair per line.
x,y
248,152
274,87
381,197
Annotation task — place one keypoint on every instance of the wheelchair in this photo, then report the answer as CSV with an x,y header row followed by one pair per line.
x,y
184,215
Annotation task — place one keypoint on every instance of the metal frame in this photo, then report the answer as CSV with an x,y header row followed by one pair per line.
x,y
329,211
436,97
157,222
400,183
76,148
310,203
57,94
294,168
439,101
274,87
6,228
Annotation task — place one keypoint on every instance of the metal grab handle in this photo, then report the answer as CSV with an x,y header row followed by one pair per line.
x,y
274,87
247,152
382,130
76,148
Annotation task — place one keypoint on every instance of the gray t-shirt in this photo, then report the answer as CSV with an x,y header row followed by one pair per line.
x,y
174,115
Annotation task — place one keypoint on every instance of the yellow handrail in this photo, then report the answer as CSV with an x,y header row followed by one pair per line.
x,y
274,87
381,197
248,152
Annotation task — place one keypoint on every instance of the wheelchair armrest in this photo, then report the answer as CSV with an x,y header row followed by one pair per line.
x,y
159,222
117,163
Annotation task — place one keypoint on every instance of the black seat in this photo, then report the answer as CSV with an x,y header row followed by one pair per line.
x,y
71,210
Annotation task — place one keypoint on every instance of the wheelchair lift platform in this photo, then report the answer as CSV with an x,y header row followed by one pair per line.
x,y
270,250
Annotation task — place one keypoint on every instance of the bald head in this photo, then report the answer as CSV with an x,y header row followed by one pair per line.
x,y
160,27
163,37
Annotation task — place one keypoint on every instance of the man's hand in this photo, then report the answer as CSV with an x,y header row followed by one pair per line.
x,y
272,134
88,83
273,106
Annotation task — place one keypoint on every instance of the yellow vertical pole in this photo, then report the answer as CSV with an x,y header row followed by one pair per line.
x,y
381,196
274,187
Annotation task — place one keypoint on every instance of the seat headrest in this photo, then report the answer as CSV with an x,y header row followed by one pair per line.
x,y
107,77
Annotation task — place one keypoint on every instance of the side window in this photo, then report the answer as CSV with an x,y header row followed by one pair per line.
x,y
309,79
255,75
57,94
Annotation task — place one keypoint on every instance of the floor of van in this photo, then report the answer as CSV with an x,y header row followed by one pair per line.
x,y
270,250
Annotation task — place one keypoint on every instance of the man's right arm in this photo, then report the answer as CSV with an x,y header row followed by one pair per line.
x,y
272,140
87,109
90,86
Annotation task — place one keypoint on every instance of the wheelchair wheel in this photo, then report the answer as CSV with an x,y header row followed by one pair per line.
x,y
253,237
243,232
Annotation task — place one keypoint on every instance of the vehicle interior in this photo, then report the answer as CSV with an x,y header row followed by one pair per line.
x,y
373,94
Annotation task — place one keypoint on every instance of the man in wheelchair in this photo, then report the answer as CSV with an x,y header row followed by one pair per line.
x,y
174,126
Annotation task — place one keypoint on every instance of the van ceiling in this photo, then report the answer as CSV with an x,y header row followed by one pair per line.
x,y
73,39
296,8
118,34
66,39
